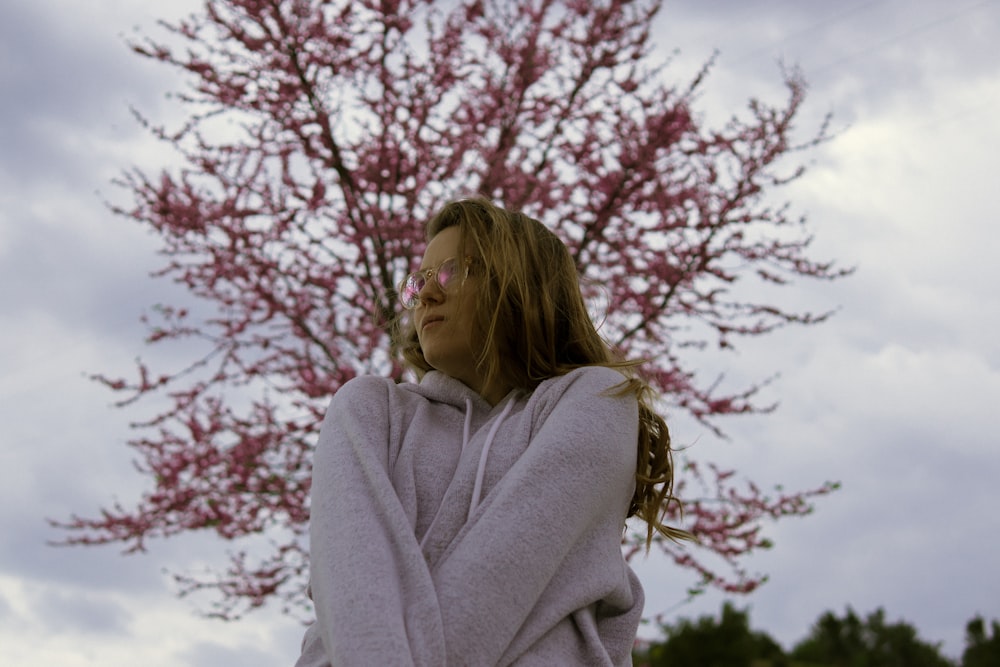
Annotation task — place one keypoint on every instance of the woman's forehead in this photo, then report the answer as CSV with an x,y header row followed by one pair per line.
x,y
445,244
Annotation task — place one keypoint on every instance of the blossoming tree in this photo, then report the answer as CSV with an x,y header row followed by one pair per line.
x,y
320,135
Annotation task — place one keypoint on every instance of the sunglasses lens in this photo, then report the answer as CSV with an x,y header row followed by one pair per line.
x,y
446,273
410,292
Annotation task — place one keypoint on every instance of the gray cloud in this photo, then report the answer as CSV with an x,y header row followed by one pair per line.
x,y
65,85
65,132
857,57
206,654
65,611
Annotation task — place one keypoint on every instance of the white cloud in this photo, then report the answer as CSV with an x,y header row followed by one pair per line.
x,y
65,626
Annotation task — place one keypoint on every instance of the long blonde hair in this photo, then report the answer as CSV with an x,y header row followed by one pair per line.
x,y
533,320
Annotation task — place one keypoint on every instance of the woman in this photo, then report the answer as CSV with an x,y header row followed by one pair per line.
x,y
475,518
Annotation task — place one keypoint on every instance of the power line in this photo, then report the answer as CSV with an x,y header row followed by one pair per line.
x,y
899,37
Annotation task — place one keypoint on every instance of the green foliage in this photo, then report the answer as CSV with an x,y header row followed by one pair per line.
x,y
980,650
833,641
849,642
707,642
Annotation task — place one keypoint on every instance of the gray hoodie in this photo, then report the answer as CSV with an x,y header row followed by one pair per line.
x,y
449,532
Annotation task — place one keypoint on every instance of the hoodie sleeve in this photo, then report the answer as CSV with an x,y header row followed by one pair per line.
x,y
371,587
560,507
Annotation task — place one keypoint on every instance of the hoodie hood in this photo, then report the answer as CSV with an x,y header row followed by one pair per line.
x,y
436,386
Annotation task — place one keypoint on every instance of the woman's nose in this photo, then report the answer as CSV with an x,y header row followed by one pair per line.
x,y
431,291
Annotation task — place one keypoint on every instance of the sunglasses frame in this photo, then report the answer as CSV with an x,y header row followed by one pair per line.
x,y
427,275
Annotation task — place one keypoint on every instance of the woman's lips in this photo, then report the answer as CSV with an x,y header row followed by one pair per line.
x,y
429,320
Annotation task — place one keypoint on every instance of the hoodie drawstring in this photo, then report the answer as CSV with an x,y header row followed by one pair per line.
x,y
477,490
468,423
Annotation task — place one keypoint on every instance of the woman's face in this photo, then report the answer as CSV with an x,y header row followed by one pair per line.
x,y
444,318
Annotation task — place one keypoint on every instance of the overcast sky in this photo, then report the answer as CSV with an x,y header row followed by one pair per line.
x,y
895,397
